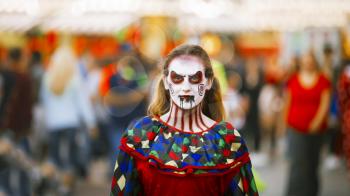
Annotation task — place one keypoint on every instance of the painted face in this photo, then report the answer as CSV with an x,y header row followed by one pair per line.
x,y
186,81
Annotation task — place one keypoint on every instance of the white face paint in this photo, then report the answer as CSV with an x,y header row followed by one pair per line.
x,y
186,81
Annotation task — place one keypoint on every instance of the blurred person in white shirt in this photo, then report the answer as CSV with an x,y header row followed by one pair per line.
x,y
66,103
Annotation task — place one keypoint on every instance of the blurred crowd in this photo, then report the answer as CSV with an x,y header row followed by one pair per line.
x,y
56,119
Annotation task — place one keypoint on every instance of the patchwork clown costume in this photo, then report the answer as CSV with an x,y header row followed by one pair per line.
x,y
159,159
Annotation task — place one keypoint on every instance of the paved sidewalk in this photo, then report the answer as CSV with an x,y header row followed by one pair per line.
x,y
333,182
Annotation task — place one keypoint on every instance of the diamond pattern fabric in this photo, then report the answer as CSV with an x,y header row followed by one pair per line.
x,y
215,161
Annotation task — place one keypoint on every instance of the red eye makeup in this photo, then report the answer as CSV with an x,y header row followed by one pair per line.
x,y
176,78
196,78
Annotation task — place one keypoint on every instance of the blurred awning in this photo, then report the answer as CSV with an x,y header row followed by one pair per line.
x,y
104,16
256,15
61,15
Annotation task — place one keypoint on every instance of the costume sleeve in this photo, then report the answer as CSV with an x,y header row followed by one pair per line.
x,y
243,183
125,178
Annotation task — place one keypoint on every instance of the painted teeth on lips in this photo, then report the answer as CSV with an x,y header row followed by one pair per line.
x,y
187,98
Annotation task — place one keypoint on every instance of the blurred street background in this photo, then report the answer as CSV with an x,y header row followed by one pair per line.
x,y
73,72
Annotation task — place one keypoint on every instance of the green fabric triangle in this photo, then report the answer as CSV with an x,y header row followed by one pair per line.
x,y
154,153
186,141
223,131
176,148
221,143
200,172
131,132
210,163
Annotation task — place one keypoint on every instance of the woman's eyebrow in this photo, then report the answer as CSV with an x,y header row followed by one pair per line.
x,y
178,74
198,72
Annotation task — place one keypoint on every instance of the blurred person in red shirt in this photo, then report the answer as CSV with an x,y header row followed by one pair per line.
x,y
307,104
344,101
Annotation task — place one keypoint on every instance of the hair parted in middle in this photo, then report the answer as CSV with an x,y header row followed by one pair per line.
x,y
212,102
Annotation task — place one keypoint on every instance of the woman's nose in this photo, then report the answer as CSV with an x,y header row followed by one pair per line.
x,y
186,87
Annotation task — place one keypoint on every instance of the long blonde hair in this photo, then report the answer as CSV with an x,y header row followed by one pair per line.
x,y
61,69
212,102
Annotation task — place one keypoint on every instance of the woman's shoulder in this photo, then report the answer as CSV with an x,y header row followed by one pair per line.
x,y
141,129
144,122
227,128
227,135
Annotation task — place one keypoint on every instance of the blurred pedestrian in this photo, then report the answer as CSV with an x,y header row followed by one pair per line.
x,y
307,104
235,105
270,102
65,103
344,100
334,135
252,83
126,99
16,119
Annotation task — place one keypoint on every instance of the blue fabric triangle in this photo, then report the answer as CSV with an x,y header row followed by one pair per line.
x,y
158,147
184,164
178,140
147,120
138,125
217,136
209,136
196,157
140,150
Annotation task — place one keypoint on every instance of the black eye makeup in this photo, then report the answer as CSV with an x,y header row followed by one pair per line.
x,y
196,78
176,78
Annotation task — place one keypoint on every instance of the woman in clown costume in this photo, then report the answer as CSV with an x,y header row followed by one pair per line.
x,y
184,147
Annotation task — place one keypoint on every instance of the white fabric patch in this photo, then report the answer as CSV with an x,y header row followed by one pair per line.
x,y
145,144
184,156
235,146
167,135
121,182
194,149
172,163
